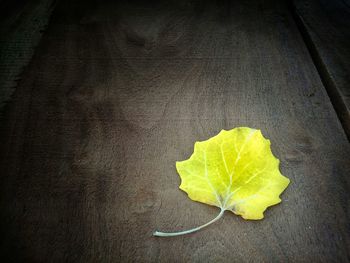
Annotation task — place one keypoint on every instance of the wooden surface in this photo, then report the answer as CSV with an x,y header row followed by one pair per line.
x,y
22,23
117,92
327,24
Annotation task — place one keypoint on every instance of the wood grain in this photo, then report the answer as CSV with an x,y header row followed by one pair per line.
x,y
22,23
119,91
326,25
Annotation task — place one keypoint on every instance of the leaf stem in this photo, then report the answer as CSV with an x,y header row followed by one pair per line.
x,y
172,234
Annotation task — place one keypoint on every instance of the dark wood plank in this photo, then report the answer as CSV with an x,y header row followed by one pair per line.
x,y
22,23
326,24
119,91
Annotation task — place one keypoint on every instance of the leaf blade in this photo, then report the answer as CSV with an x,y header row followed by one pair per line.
x,y
237,170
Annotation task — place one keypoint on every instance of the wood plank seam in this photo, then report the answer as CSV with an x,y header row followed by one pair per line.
x,y
327,81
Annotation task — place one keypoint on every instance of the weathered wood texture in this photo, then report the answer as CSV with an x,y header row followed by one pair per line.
x,y
117,92
22,23
327,24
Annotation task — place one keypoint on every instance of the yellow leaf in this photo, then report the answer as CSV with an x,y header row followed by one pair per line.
x,y
235,171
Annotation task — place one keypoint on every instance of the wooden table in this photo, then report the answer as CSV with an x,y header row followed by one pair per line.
x,y
117,92
325,27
